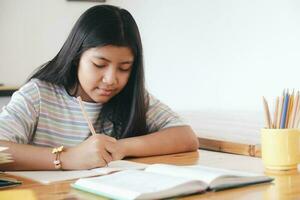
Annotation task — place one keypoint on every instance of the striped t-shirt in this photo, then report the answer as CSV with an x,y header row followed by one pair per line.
x,y
44,114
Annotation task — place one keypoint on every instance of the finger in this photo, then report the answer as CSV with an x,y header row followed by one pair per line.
x,y
110,147
106,156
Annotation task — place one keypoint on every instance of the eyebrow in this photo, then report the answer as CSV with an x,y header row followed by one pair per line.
x,y
107,60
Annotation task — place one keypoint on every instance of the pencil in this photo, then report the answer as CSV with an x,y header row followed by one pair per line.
x,y
276,113
284,110
86,116
91,127
297,117
294,110
290,110
279,112
267,114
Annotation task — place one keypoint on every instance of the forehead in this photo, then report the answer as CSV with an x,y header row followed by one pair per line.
x,y
112,52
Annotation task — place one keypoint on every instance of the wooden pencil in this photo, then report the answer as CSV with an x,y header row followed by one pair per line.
x,y
280,104
267,114
294,110
275,113
91,127
290,110
297,117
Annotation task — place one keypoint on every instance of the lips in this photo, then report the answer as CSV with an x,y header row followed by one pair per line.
x,y
105,92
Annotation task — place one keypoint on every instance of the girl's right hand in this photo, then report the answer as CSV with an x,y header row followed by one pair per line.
x,y
89,154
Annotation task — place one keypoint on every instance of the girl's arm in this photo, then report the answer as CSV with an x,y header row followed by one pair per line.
x,y
173,135
28,157
167,141
89,154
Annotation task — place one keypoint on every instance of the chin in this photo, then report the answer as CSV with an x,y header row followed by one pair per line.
x,y
102,99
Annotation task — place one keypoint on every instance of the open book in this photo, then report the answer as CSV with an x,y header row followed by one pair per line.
x,y
47,177
163,181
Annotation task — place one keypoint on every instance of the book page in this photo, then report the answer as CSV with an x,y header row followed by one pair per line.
x,y
47,177
205,174
131,184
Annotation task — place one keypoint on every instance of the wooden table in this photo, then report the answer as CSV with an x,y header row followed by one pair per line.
x,y
285,186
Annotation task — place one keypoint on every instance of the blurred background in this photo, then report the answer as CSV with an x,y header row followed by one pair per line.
x,y
212,56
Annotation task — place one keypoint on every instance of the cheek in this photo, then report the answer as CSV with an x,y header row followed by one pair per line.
x,y
87,74
124,80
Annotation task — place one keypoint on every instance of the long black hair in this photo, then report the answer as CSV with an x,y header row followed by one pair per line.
x,y
99,26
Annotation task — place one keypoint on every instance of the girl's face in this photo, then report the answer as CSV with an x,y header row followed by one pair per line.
x,y
103,72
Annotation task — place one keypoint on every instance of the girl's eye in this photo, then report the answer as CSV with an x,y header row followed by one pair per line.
x,y
99,66
125,69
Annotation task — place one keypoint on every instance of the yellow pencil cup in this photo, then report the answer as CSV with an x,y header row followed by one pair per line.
x,y
280,148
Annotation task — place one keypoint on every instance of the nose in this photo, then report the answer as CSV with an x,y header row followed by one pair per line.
x,y
109,76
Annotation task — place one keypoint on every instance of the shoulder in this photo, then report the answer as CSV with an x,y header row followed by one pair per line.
x,y
43,88
37,90
160,116
43,85
155,106
26,99
150,99
154,103
29,90
35,84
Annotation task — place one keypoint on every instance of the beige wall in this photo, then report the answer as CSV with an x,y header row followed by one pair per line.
x,y
32,32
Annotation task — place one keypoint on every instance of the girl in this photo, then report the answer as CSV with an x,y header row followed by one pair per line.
x,y
102,62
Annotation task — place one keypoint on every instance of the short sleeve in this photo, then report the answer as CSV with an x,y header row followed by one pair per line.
x,y
19,117
159,116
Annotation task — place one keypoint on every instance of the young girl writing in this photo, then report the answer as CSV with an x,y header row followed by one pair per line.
x,y
101,62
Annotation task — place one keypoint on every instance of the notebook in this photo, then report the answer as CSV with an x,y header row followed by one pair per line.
x,y
163,181
47,177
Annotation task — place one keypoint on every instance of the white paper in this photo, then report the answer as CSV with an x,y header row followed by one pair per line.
x,y
47,177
